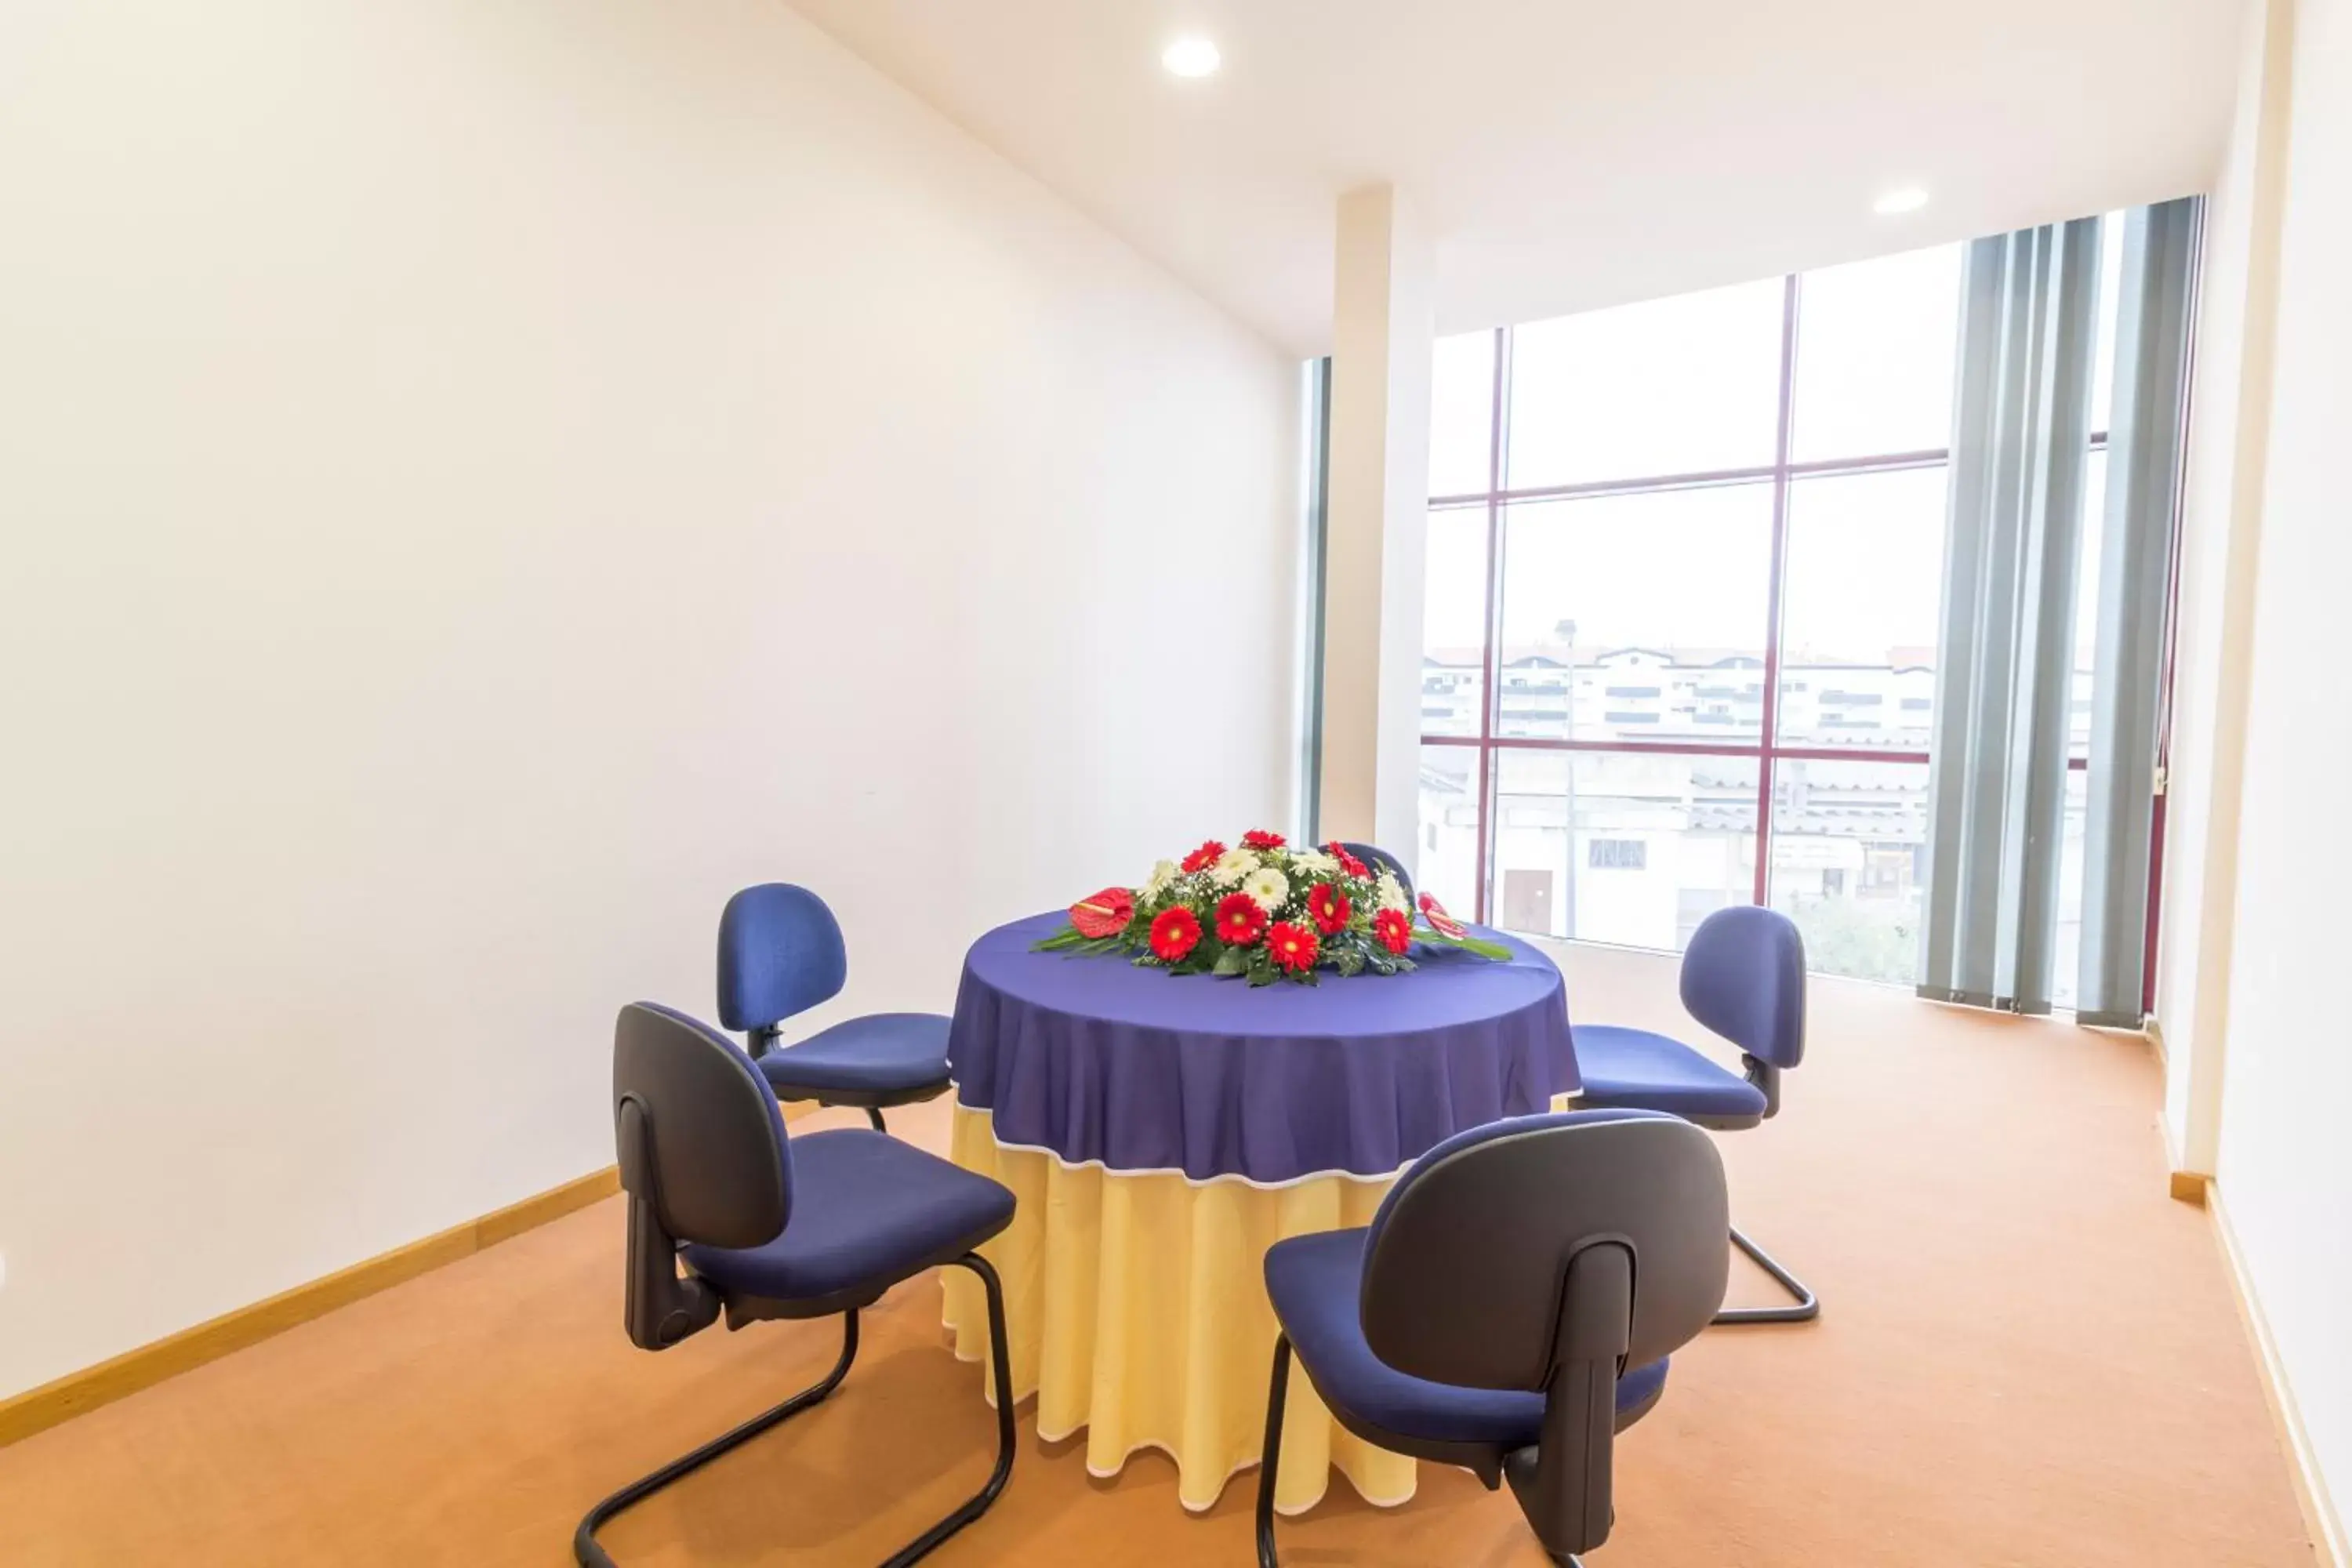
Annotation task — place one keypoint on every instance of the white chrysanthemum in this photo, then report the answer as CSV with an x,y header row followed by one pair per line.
x,y
1267,888
1390,893
1315,863
1161,875
1232,865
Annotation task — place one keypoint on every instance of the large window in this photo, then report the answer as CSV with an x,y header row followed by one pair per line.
x,y
1684,567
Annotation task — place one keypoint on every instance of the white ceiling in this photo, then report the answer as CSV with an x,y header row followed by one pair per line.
x,y
1567,153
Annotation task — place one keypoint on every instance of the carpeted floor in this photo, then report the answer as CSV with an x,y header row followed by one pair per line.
x,y
2028,1355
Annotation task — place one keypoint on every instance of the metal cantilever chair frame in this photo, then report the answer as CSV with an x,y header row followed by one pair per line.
x,y
664,1305
1767,1016
1805,1306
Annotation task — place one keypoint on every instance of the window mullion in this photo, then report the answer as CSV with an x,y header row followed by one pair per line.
x,y
1775,592
1490,654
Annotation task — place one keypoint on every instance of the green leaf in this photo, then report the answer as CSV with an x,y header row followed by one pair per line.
x,y
1232,961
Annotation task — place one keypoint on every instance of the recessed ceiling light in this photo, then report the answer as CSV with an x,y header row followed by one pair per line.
x,y
1191,57
1907,199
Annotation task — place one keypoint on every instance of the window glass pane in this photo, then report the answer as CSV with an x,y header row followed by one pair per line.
x,y
2066,954
1461,414
1628,848
1448,850
1689,385
1863,602
2087,604
1849,863
1637,617
1453,622
1875,347
2110,282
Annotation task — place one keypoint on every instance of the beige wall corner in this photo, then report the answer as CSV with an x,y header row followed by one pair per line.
x,y
2219,550
1379,499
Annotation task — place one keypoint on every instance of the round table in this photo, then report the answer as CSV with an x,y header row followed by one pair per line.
x,y
1160,1132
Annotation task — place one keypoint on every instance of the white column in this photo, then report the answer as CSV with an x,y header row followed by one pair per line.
x,y
1377,505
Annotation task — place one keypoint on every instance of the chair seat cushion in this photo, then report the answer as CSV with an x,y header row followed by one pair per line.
x,y
1315,1282
1637,1070
868,1211
884,1053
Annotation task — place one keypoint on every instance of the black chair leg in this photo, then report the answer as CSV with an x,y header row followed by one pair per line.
x,y
583,1540
591,1555
873,1114
1270,1452
1807,1308
1000,1360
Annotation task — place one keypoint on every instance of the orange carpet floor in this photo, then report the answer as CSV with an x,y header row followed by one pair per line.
x,y
2028,1354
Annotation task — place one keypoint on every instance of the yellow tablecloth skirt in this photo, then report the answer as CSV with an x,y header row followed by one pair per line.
x,y
1136,1309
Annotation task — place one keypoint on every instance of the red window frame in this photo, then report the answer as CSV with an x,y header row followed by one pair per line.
x,y
1767,750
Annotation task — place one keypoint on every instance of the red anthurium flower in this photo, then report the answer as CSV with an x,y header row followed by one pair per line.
x,y
1204,858
1330,908
1176,932
1105,914
1438,918
1294,947
1347,858
1240,920
1259,838
1394,928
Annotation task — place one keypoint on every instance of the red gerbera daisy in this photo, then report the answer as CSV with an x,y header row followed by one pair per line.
x,y
1329,907
1204,858
1394,928
1294,947
1240,920
1259,838
1175,933
1348,862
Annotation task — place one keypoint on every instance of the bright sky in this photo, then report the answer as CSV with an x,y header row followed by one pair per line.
x,y
1689,384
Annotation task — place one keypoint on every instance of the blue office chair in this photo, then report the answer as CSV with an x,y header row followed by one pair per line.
x,y
770,1227
1743,977
1510,1308
781,952
1380,860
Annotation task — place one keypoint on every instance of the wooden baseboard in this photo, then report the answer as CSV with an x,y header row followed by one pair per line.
x,y
37,1409
2320,1520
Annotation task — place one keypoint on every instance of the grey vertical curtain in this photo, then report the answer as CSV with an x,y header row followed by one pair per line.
x,y
2021,437
2143,437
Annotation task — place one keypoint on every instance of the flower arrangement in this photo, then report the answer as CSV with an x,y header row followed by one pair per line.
x,y
1264,911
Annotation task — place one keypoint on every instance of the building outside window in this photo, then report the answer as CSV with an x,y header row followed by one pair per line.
x,y
1695,546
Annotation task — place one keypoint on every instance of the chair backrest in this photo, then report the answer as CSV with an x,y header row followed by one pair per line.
x,y
1548,1253
703,1158
780,952
1744,978
1379,859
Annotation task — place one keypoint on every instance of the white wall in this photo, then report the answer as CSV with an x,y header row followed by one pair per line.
x,y
2284,1170
482,482
2258,1052
2228,435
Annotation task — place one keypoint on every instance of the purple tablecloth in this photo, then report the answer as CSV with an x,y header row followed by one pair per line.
x,y
1097,1060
